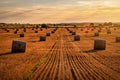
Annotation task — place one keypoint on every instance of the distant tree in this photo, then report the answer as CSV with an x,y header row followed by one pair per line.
x,y
54,25
75,26
105,23
37,26
92,24
44,26
100,25
109,23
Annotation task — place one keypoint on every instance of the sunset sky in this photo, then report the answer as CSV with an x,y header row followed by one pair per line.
x,y
59,11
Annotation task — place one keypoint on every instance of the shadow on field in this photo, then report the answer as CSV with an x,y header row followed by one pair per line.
x,y
6,53
70,41
10,53
94,36
115,42
68,35
34,41
89,51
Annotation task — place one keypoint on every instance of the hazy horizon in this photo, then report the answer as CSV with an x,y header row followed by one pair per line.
x,y
59,11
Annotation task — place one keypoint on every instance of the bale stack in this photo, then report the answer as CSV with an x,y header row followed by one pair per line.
x,y
18,46
99,44
42,38
96,34
117,39
76,38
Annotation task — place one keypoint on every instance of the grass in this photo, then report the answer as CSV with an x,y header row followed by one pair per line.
x,y
31,72
42,61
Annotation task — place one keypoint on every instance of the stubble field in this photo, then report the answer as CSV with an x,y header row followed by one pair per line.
x,y
60,57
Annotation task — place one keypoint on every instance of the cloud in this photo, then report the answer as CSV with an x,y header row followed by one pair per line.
x,y
59,11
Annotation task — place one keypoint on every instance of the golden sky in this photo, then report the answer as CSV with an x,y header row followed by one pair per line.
x,y
59,11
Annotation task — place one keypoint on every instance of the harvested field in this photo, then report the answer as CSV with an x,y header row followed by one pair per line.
x,y
60,57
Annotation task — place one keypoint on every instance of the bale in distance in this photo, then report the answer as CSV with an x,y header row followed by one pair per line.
x,y
67,29
48,34
36,31
99,44
32,28
92,29
18,46
17,29
73,33
76,38
22,35
42,38
96,34
86,31
81,29
52,31
7,30
117,39
108,32
99,30
24,29
41,29
70,31
15,32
